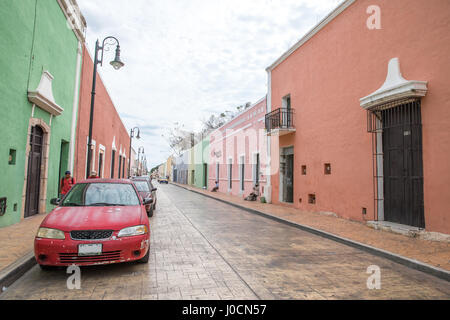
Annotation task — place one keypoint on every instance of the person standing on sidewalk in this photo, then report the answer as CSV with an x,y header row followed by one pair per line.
x,y
66,184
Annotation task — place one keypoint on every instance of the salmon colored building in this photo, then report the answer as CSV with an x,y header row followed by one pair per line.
x,y
110,139
237,156
358,115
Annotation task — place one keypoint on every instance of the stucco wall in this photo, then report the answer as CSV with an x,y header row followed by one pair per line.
x,y
243,136
344,62
35,38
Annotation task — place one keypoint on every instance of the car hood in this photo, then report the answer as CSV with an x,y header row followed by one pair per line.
x,y
93,218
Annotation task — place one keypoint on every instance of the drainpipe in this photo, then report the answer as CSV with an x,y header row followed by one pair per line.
x,y
75,108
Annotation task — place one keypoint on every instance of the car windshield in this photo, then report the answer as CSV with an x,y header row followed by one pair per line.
x,y
101,194
141,185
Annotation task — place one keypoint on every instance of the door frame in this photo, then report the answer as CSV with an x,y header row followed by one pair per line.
x,y
44,165
285,151
376,128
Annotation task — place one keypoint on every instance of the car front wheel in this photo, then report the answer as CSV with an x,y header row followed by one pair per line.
x,y
150,212
145,258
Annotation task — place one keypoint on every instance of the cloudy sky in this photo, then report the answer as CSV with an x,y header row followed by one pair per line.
x,y
188,59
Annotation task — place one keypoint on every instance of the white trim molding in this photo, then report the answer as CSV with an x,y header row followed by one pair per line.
x,y
394,88
43,95
74,17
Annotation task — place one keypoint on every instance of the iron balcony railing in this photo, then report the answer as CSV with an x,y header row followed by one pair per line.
x,y
280,119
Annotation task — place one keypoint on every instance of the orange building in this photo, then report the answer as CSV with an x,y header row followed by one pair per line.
x,y
110,139
358,115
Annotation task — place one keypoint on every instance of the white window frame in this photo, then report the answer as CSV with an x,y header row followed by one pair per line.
x,y
101,150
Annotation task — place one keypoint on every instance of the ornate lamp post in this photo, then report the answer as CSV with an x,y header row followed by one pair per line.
x,y
139,165
132,131
117,64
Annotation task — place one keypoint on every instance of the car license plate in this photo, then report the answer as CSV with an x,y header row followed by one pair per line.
x,y
89,249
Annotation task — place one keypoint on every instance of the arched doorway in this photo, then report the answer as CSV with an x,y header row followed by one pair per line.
x,y
34,171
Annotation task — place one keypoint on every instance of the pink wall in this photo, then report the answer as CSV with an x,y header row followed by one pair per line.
x,y
344,62
243,136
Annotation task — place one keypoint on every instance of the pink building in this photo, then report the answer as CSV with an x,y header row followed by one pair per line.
x,y
238,156
358,115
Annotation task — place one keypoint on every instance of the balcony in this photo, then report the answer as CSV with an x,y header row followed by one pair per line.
x,y
280,122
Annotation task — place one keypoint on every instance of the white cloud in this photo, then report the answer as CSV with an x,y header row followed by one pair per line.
x,y
184,59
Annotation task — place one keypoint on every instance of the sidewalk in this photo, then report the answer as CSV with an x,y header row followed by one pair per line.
x,y
436,254
18,240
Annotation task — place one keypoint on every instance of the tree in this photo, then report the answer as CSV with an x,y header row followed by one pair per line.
x,y
179,139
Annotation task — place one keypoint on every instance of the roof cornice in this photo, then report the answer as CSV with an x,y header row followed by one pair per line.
x,y
75,19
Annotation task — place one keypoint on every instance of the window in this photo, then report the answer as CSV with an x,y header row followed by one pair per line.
x,y
123,167
100,164
120,166
230,174
101,194
113,158
217,172
141,185
242,171
256,169
327,168
12,157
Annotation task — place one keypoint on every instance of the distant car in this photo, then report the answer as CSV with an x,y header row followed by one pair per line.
x,y
99,221
163,180
146,190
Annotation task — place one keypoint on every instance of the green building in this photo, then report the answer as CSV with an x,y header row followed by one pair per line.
x,y
41,65
200,153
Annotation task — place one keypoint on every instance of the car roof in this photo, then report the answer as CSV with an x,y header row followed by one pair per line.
x,y
140,179
123,181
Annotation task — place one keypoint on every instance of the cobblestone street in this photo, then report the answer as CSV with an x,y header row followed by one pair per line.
x,y
204,249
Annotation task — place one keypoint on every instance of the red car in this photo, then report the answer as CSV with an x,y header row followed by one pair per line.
x,y
99,221
146,190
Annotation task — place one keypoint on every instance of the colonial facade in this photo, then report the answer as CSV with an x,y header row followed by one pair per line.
x,y
238,155
358,113
110,139
41,63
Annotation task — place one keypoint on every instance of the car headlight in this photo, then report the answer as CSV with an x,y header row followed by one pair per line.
x,y
133,231
47,233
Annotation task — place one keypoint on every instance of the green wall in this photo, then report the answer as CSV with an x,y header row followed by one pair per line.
x,y
35,38
201,157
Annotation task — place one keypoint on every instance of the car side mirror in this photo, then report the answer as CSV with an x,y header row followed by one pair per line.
x,y
154,189
55,201
148,201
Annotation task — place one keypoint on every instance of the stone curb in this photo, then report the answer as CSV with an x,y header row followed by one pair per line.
x,y
15,270
410,263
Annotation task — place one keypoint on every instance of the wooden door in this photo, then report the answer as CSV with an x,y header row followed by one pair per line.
x,y
34,172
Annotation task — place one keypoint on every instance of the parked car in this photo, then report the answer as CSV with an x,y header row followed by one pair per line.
x,y
163,180
146,190
99,221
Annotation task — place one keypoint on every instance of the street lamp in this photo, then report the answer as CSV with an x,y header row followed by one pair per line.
x,y
139,151
129,157
117,64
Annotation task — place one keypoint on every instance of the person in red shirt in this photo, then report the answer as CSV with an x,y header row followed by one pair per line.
x,y
66,184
